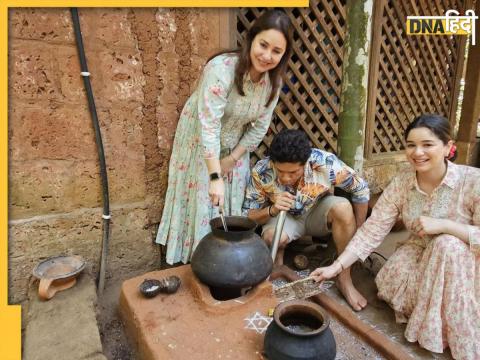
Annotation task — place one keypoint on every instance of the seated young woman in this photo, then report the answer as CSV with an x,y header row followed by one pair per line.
x,y
432,281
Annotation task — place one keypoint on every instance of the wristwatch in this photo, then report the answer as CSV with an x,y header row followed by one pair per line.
x,y
214,176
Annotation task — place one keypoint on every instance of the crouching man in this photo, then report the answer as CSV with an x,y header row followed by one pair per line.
x,y
300,180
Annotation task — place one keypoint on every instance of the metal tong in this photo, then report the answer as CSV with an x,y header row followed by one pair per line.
x,y
221,209
224,223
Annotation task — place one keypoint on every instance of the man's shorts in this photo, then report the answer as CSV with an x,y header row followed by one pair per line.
x,y
314,222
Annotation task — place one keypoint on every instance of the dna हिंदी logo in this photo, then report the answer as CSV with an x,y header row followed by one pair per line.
x,y
451,24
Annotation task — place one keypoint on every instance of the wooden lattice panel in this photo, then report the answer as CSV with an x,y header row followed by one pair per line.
x,y
410,75
310,97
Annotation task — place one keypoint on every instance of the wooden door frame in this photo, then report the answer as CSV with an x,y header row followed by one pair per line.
x,y
227,28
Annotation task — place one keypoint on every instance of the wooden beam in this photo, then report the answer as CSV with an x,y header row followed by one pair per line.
x,y
459,68
376,44
227,28
467,129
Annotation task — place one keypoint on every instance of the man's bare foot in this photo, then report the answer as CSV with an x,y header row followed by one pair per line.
x,y
351,294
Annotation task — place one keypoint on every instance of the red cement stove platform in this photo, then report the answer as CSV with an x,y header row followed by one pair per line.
x,y
191,324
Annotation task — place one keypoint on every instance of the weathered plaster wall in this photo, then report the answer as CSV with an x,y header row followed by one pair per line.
x,y
143,65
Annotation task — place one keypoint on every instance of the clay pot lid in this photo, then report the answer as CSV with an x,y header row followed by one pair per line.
x,y
59,267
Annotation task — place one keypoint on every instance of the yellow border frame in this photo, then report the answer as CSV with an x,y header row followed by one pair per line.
x,y
10,315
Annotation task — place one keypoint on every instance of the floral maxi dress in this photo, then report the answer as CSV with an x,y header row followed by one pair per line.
x,y
432,283
214,120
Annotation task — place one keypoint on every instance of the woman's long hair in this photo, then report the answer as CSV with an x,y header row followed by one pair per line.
x,y
271,19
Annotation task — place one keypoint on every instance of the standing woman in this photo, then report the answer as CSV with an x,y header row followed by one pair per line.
x,y
224,119
432,281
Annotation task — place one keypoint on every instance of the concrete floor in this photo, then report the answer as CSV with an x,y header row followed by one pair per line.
x,y
64,327
377,314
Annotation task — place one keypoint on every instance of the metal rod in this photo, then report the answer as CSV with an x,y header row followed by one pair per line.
x,y
224,223
278,233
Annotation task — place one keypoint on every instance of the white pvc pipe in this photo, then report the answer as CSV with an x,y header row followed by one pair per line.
x,y
278,233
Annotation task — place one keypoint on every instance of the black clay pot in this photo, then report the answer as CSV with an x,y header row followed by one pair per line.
x,y
300,330
238,258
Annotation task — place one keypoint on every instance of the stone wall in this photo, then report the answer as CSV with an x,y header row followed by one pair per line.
x,y
143,65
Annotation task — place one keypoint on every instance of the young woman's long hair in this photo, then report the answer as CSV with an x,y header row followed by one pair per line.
x,y
271,19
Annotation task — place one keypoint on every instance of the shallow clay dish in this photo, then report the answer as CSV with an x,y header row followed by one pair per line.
x,y
57,273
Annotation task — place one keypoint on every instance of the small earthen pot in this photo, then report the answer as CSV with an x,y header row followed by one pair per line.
x,y
300,261
300,330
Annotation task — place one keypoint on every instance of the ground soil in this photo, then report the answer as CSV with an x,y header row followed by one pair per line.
x,y
116,346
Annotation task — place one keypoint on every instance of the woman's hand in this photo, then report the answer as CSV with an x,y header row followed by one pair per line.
x,y
227,164
425,225
216,191
282,202
326,273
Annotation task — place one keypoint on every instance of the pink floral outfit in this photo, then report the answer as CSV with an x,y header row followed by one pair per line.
x,y
432,283
214,120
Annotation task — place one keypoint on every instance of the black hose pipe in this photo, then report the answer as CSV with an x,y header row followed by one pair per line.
x,y
101,155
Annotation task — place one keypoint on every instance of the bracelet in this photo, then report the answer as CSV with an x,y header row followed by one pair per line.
x,y
270,211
